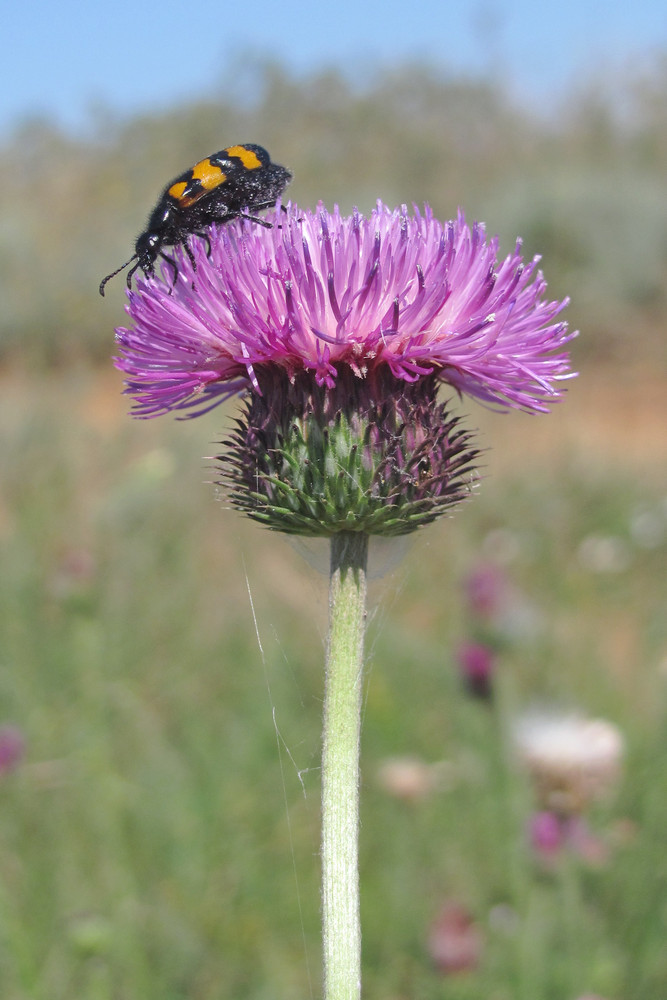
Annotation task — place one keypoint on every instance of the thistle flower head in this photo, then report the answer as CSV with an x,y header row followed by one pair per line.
x,y
339,332
322,293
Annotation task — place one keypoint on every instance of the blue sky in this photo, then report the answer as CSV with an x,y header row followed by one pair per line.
x,y
61,58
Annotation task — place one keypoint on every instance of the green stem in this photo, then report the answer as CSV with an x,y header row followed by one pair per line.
x,y
340,767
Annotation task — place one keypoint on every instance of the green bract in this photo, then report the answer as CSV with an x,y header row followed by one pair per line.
x,y
377,455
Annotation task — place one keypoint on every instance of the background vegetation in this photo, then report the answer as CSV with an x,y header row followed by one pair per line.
x,y
159,838
586,188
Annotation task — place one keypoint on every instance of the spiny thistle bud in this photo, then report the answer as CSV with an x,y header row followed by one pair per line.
x,y
377,455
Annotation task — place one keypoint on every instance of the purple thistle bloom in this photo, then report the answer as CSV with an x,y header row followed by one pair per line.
x,y
477,662
12,748
547,834
320,293
486,591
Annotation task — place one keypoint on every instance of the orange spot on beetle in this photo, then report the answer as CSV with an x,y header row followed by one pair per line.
x,y
176,190
248,158
208,175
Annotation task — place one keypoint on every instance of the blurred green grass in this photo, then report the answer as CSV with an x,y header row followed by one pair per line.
x,y
149,840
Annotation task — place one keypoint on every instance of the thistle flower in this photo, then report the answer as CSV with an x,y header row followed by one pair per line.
x,y
321,293
340,331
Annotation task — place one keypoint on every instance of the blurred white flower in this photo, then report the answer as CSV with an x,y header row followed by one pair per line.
x,y
604,554
648,528
572,761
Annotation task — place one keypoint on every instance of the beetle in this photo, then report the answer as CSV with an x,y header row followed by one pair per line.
x,y
226,185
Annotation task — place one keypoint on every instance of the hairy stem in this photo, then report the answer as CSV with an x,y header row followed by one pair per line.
x,y
340,767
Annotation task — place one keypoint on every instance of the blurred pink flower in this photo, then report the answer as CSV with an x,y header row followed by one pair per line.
x,y
551,834
586,844
74,574
546,834
486,591
408,778
455,942
476,662
12,748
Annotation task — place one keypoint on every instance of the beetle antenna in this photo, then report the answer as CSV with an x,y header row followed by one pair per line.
x,y
114,273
